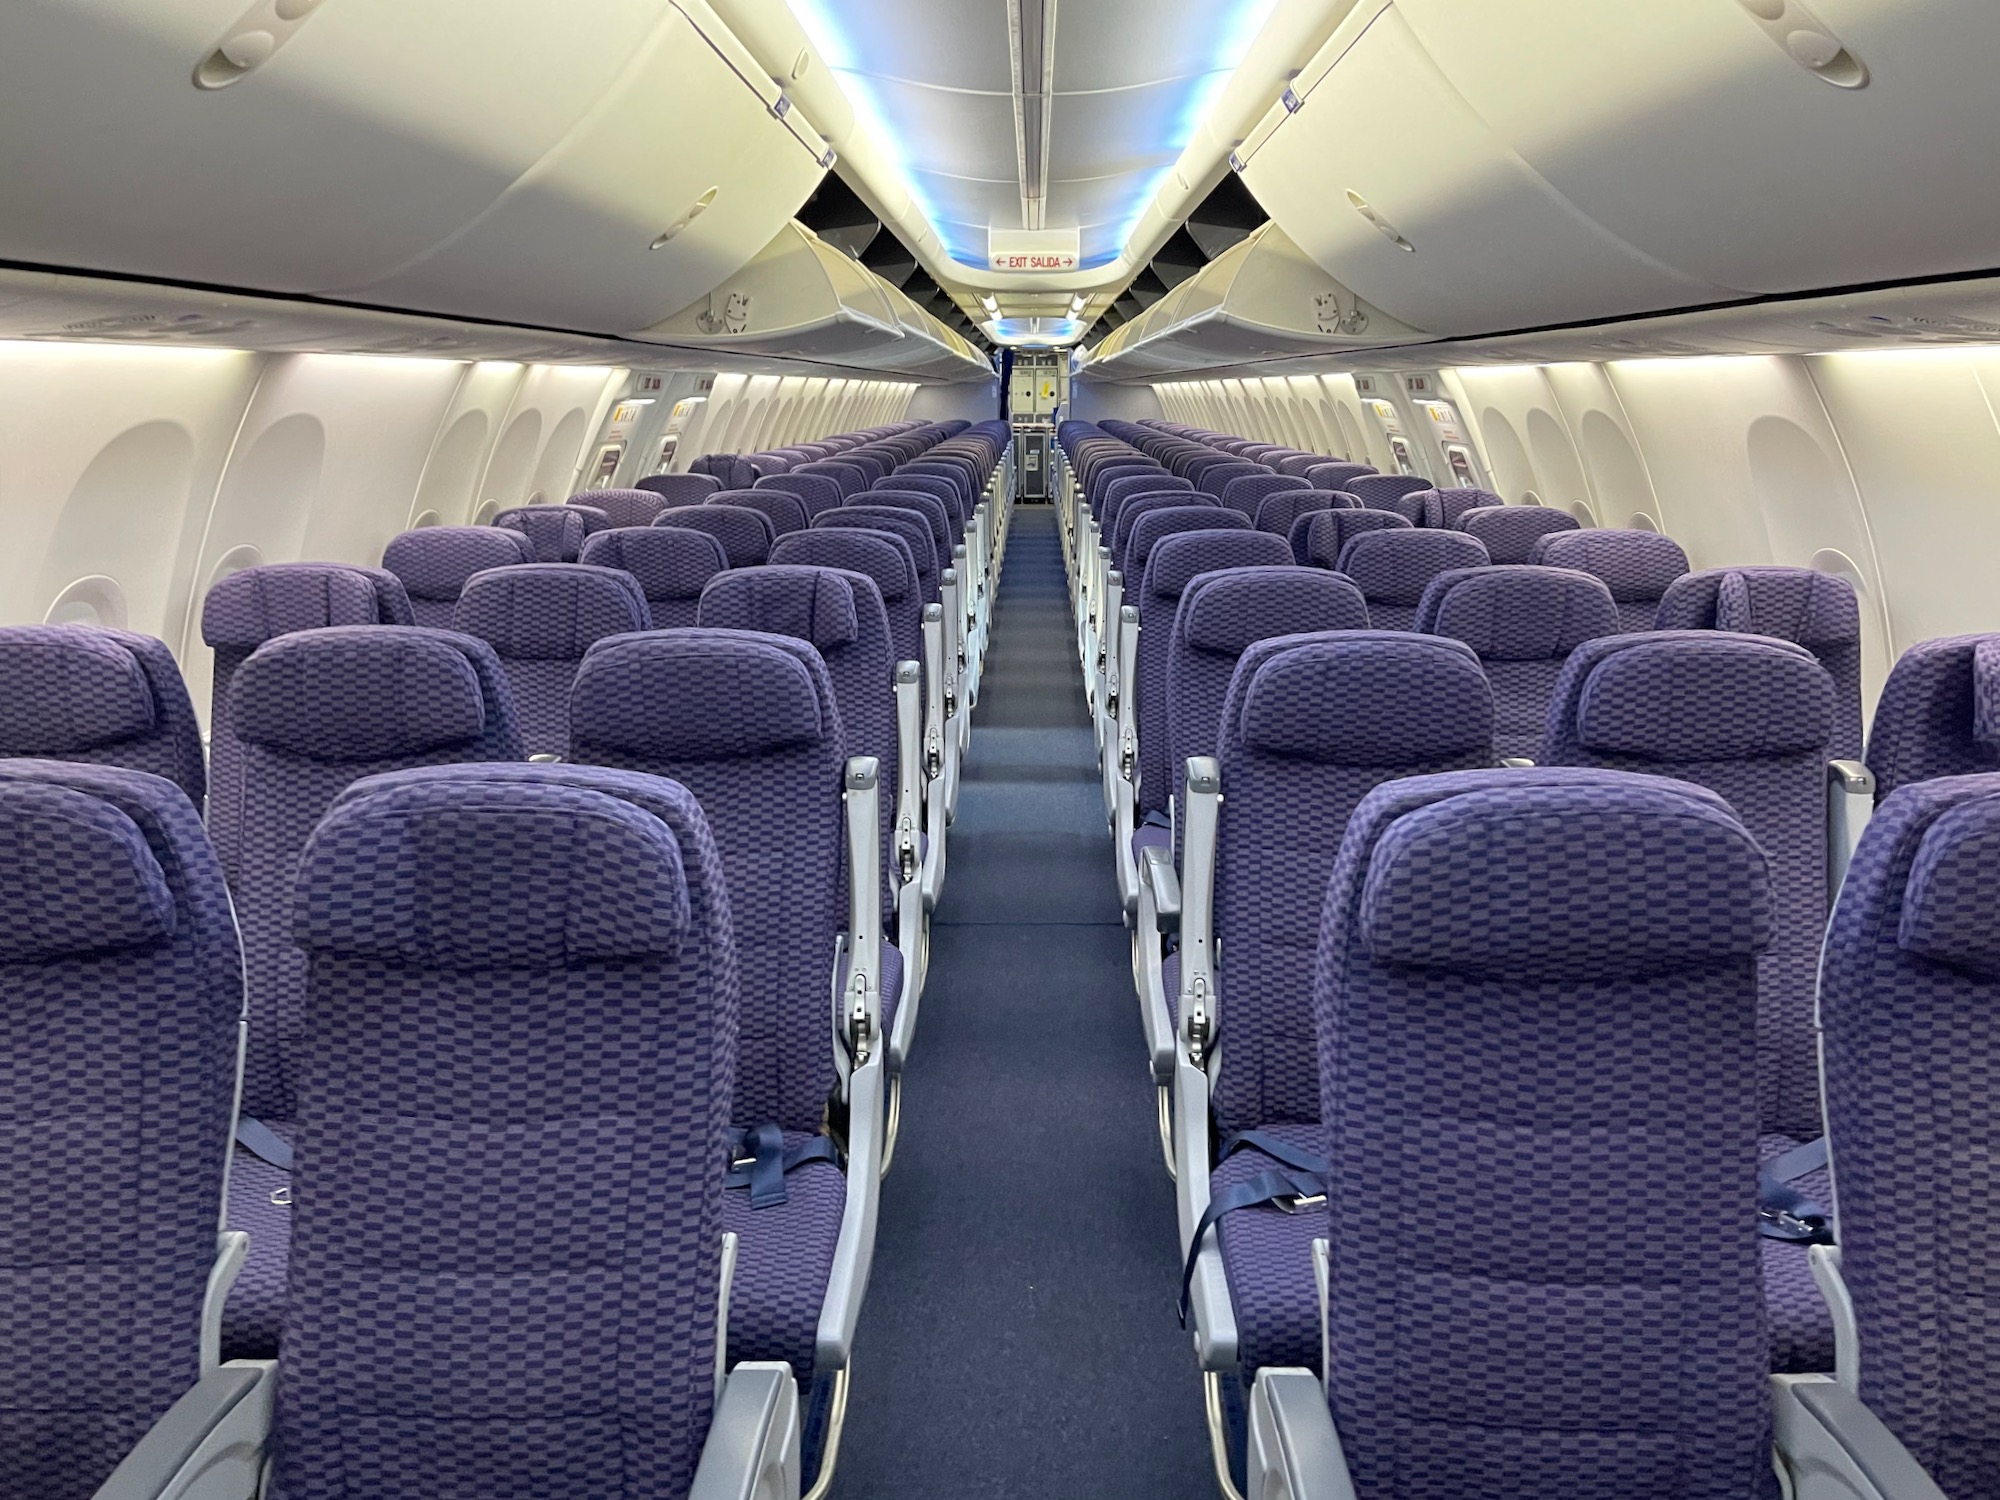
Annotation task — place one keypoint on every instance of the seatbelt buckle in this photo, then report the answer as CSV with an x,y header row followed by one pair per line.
x,y
1300,1203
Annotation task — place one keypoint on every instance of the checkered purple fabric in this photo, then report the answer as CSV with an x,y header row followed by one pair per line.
x,y
524,988
1749,718
1248,492
907,526
883,559
594,519
1318,537
1300,463
1336,476
746,535
1637,566
1817,610
1939,713
749,724
1147,480
1910,1034
1509,532
671,564
850,479
1152,527
1393,567
392,601
785,512
681,489
1529,985
957,469
817,492
1116,515
1390,492
937,487
731,470
944,531
1309,726
1444,510
556,532
1282,513
98,696
623,507
1213,479
1523,622
117,1071
434,562
540,619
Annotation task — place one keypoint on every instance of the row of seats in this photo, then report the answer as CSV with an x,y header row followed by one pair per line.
x,y
435,928
1294,737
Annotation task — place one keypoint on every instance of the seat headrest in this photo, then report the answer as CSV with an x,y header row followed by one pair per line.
x,y
1794,604
1178,559
510,875
550,611
621,507
1227,611
435,562
1327,532
257,604
670,562
1948,896
556,532
809,604
359,693
1635,565
1509,532
1697,695
702,694
1364,698
1986,691
1518,612
1395,566
1151,528
76,877
1577,883
876,554
66,688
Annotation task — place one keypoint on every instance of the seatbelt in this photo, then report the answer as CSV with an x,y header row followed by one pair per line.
x,y
759,1161
262,1142
1783,1212
1301,1179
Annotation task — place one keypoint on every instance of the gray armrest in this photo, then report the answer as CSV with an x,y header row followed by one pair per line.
x,y
909,815
232,1248
1849,1446
858,1024
1850,802
854,1250
752,1451
1159,913
209,1444
1294,1452
1165,885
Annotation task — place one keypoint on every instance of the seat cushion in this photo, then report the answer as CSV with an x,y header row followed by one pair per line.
x,y
1801,1326
784,1256
254,1315
1267,1256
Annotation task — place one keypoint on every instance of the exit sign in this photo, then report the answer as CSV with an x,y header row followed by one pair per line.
x,y
1032,250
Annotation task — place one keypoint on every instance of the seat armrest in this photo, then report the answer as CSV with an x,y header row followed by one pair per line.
x,y
1158,914
909,816
209,1445
752,1451
1850,802
1201,796
1294,1452
858,1025
854,1250
1211,1313
1159,878
232,1248
1834,1446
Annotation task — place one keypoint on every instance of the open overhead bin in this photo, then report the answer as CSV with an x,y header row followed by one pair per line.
x,y
799,298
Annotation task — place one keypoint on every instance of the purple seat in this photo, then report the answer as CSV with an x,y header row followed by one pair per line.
x,y
672,565
434,562
1637,566
1248,492
748,723
746,535
681,489
937,487
957,469
873,465
1310,725
913,530
540,619
1280,513
1319,536
124,993
1751,718
852,481
1522,622
1445,509
1301,463
1097,478
1509,532
945,532
727,469
1151,527
1817,610
762,464
241,613
556,532
1390,492
816,492
785,512
1213,476
1530,985
1393,567
513,1030
1939,713
622,507
97,696
316,711
1111,513
1908,1022
879,556
1145,481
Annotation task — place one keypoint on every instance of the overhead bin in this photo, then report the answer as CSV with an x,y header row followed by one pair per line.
x,y
799,297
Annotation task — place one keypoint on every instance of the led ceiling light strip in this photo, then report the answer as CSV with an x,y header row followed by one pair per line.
x,y
1031,29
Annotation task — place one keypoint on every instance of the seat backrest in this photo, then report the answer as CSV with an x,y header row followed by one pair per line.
x,y
242,612
852,481
317,711
1136,482
1750,718
786,512
1221,614
90,694
1176,561
681,489
937,487
1540,983
723,467
882,558
1522,622
1214,478
816,492
746,535
532,978
1393,567
1910,1029
434,562
1335,476
623,507
1817,610
1113,527
1298,463
540,619
556,532
1319,536
1509,532
1939,713
1390,492
911,528
1247,492
1310,724
1637,566
1279,513
672,565
123,996
944,532
748,723
1444,509
1099,477
1151,526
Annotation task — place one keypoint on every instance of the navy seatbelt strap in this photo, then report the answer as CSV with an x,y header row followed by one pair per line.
x,y
759,1161
1785,1213
1275,1185
262,1142
1278,1150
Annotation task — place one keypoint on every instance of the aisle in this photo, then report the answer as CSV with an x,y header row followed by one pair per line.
x,y
1019,1337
